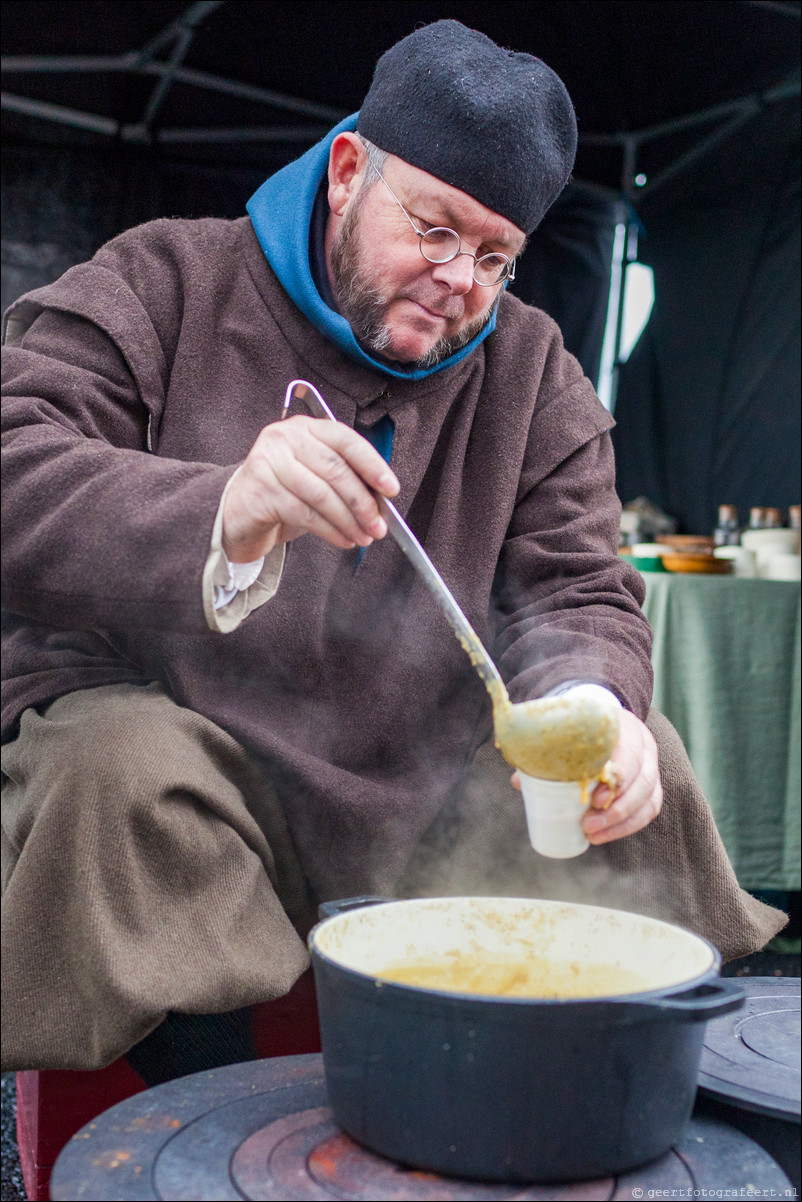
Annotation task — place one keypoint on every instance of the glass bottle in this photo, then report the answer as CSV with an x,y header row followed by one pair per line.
x,y
795,517
773,519
726,533
757,518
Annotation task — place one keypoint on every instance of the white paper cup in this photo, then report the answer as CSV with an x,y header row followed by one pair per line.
x,y
554,813
744,561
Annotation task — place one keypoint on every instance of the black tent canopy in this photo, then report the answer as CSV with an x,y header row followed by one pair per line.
x,y
116,112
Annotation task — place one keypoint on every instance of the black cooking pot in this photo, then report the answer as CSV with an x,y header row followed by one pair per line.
x,y
512,1088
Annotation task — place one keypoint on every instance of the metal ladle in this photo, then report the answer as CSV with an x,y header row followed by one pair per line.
x,y
556,738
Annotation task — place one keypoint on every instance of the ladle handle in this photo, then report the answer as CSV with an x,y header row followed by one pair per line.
x,y
468,638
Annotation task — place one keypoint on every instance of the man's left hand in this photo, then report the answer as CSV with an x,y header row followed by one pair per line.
x,y
637,798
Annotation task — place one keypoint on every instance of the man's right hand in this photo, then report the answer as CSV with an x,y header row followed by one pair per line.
x,y
305,474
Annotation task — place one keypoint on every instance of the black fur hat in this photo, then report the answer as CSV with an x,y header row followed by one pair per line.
x,y
497,124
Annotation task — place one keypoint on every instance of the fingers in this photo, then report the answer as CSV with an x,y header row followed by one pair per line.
x,y
638,796
303,504
333,470
306,474
615,823
324,501
357,452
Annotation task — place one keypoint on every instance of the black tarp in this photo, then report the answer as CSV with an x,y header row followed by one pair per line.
x,y
708,404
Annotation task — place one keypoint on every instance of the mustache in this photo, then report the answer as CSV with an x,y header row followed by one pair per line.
x,y
450,307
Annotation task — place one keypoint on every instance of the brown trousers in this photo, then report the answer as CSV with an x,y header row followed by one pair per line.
x,y
147,867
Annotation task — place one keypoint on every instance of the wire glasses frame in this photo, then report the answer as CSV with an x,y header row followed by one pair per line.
x,y
441,245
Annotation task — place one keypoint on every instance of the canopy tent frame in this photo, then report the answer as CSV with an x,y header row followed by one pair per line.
x,y
175,41
178,35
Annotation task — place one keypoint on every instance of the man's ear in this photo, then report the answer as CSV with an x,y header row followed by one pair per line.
x,y
347,162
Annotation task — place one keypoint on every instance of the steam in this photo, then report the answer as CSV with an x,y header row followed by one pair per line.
x,y
479,846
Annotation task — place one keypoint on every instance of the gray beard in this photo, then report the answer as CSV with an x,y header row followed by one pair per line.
x,y
364,305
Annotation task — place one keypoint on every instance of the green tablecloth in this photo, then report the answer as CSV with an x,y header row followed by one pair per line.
x,y
727,674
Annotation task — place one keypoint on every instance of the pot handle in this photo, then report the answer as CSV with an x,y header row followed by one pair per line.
x,y
720,997
329,908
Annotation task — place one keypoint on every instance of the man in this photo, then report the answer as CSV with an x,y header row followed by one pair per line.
x,y
229,697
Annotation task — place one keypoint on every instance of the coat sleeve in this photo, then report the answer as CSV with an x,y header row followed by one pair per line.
x,y
97,532
567,606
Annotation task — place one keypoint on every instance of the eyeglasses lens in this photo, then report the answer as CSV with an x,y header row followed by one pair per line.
x,y
441,245
491,269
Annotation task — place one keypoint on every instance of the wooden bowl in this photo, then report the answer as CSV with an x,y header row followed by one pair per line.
x,y
703,564
699,543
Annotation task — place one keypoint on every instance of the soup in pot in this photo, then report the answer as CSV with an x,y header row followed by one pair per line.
x,y
534,977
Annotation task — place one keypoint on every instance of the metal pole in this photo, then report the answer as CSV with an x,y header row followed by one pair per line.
x,y
784,89
36,64
163,86
630,251
777,6
246,91
696,152
254,133
59,113
628,165
607,367
189,20
141,134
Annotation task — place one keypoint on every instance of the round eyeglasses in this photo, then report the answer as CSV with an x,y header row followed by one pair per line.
x,y
441,245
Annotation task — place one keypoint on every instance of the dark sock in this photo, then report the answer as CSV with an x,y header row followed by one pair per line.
x,y
192,1043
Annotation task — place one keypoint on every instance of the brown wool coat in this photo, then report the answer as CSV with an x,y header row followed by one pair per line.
x,y
348,682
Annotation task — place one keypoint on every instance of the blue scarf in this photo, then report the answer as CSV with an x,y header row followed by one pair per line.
x,y
281,213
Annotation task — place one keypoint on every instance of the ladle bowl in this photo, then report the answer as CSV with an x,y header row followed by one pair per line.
x,y
557,738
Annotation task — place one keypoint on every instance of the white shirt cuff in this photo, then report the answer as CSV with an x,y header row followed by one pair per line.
x,y
232,591
584,689
240,577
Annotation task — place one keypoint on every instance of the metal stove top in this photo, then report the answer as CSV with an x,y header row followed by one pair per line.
x,y
264,1131
751,1057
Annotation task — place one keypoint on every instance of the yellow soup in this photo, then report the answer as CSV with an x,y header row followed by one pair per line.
x,y
534,977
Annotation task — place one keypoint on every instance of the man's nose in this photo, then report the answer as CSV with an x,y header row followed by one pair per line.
x,y
457,273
